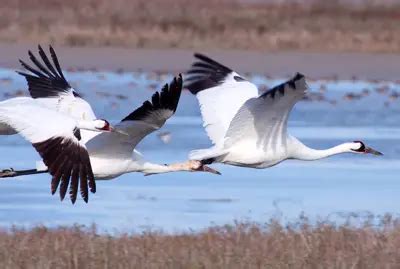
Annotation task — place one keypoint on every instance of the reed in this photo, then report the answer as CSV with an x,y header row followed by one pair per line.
x,y
213,24
370,243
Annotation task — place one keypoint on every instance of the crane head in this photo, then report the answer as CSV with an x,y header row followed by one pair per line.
x,y
105,126
360,147
198,166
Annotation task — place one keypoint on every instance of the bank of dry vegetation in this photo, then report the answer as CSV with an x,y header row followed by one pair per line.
x,y
223,24
243,245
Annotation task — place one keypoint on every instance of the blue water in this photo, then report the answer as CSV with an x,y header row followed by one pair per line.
x,y
325,189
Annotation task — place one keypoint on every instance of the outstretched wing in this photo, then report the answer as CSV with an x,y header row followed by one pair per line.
x,y
52,135
220,92
149,117
47,84
264,119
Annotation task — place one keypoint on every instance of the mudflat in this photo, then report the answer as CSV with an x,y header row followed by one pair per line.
x,y
315,65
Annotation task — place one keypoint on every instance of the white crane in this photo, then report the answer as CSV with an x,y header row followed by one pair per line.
x,y
54,136
248,128
111,154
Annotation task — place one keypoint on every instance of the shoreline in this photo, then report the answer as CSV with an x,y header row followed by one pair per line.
x,y
382,66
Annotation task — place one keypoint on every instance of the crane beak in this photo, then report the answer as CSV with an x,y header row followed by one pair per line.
x,y
197,166
372,151
119,131
205,168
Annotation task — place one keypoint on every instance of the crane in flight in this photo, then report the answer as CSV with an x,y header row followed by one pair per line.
x,y
249,128
114,154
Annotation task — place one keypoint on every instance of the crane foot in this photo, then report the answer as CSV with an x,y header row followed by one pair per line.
x,y
7,173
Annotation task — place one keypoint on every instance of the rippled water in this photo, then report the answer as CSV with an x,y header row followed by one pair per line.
x,y
182,201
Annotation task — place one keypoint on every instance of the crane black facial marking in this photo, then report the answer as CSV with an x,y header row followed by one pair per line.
x,y
361,149
106,126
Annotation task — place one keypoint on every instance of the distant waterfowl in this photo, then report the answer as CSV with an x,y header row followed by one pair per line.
x,y
382,89
394,96
365,92
248,128
55,136
165,137
322,88
352,96
112,154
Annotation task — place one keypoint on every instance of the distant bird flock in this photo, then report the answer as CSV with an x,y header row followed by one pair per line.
x,y
247,127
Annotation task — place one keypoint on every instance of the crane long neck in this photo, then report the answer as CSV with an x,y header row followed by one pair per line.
x,y
152,168
302,152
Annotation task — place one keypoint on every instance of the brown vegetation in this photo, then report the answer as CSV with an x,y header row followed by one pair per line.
x,y
319,25
243,245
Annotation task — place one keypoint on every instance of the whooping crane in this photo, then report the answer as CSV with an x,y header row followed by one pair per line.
x,y
249,128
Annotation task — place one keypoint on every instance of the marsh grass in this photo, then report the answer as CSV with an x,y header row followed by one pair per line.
x,y
223,24
368,244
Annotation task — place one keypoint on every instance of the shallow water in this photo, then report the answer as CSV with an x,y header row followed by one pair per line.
x,y
328,188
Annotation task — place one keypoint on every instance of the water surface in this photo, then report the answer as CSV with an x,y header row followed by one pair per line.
x,y
339,111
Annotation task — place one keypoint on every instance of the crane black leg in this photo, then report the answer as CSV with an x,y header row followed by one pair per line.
x,y
15,173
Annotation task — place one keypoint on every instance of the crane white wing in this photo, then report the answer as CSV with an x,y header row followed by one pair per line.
x,y
141,122
220,92
47,84
52,135
264,119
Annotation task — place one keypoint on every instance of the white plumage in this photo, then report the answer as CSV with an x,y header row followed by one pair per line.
x,y
111,154
216,120
54,136
34,122
47,84
247,128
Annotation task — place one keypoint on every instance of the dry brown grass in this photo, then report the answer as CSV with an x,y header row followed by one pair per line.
x,y
320,25
243,245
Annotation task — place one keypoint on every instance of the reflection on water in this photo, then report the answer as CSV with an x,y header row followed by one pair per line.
x,y
182,201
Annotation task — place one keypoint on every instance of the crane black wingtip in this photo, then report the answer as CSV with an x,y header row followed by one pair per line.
x,y
297,82
205,73
199,55
204,58
76,166
177,83
45,80
298,76
179,79
166,99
